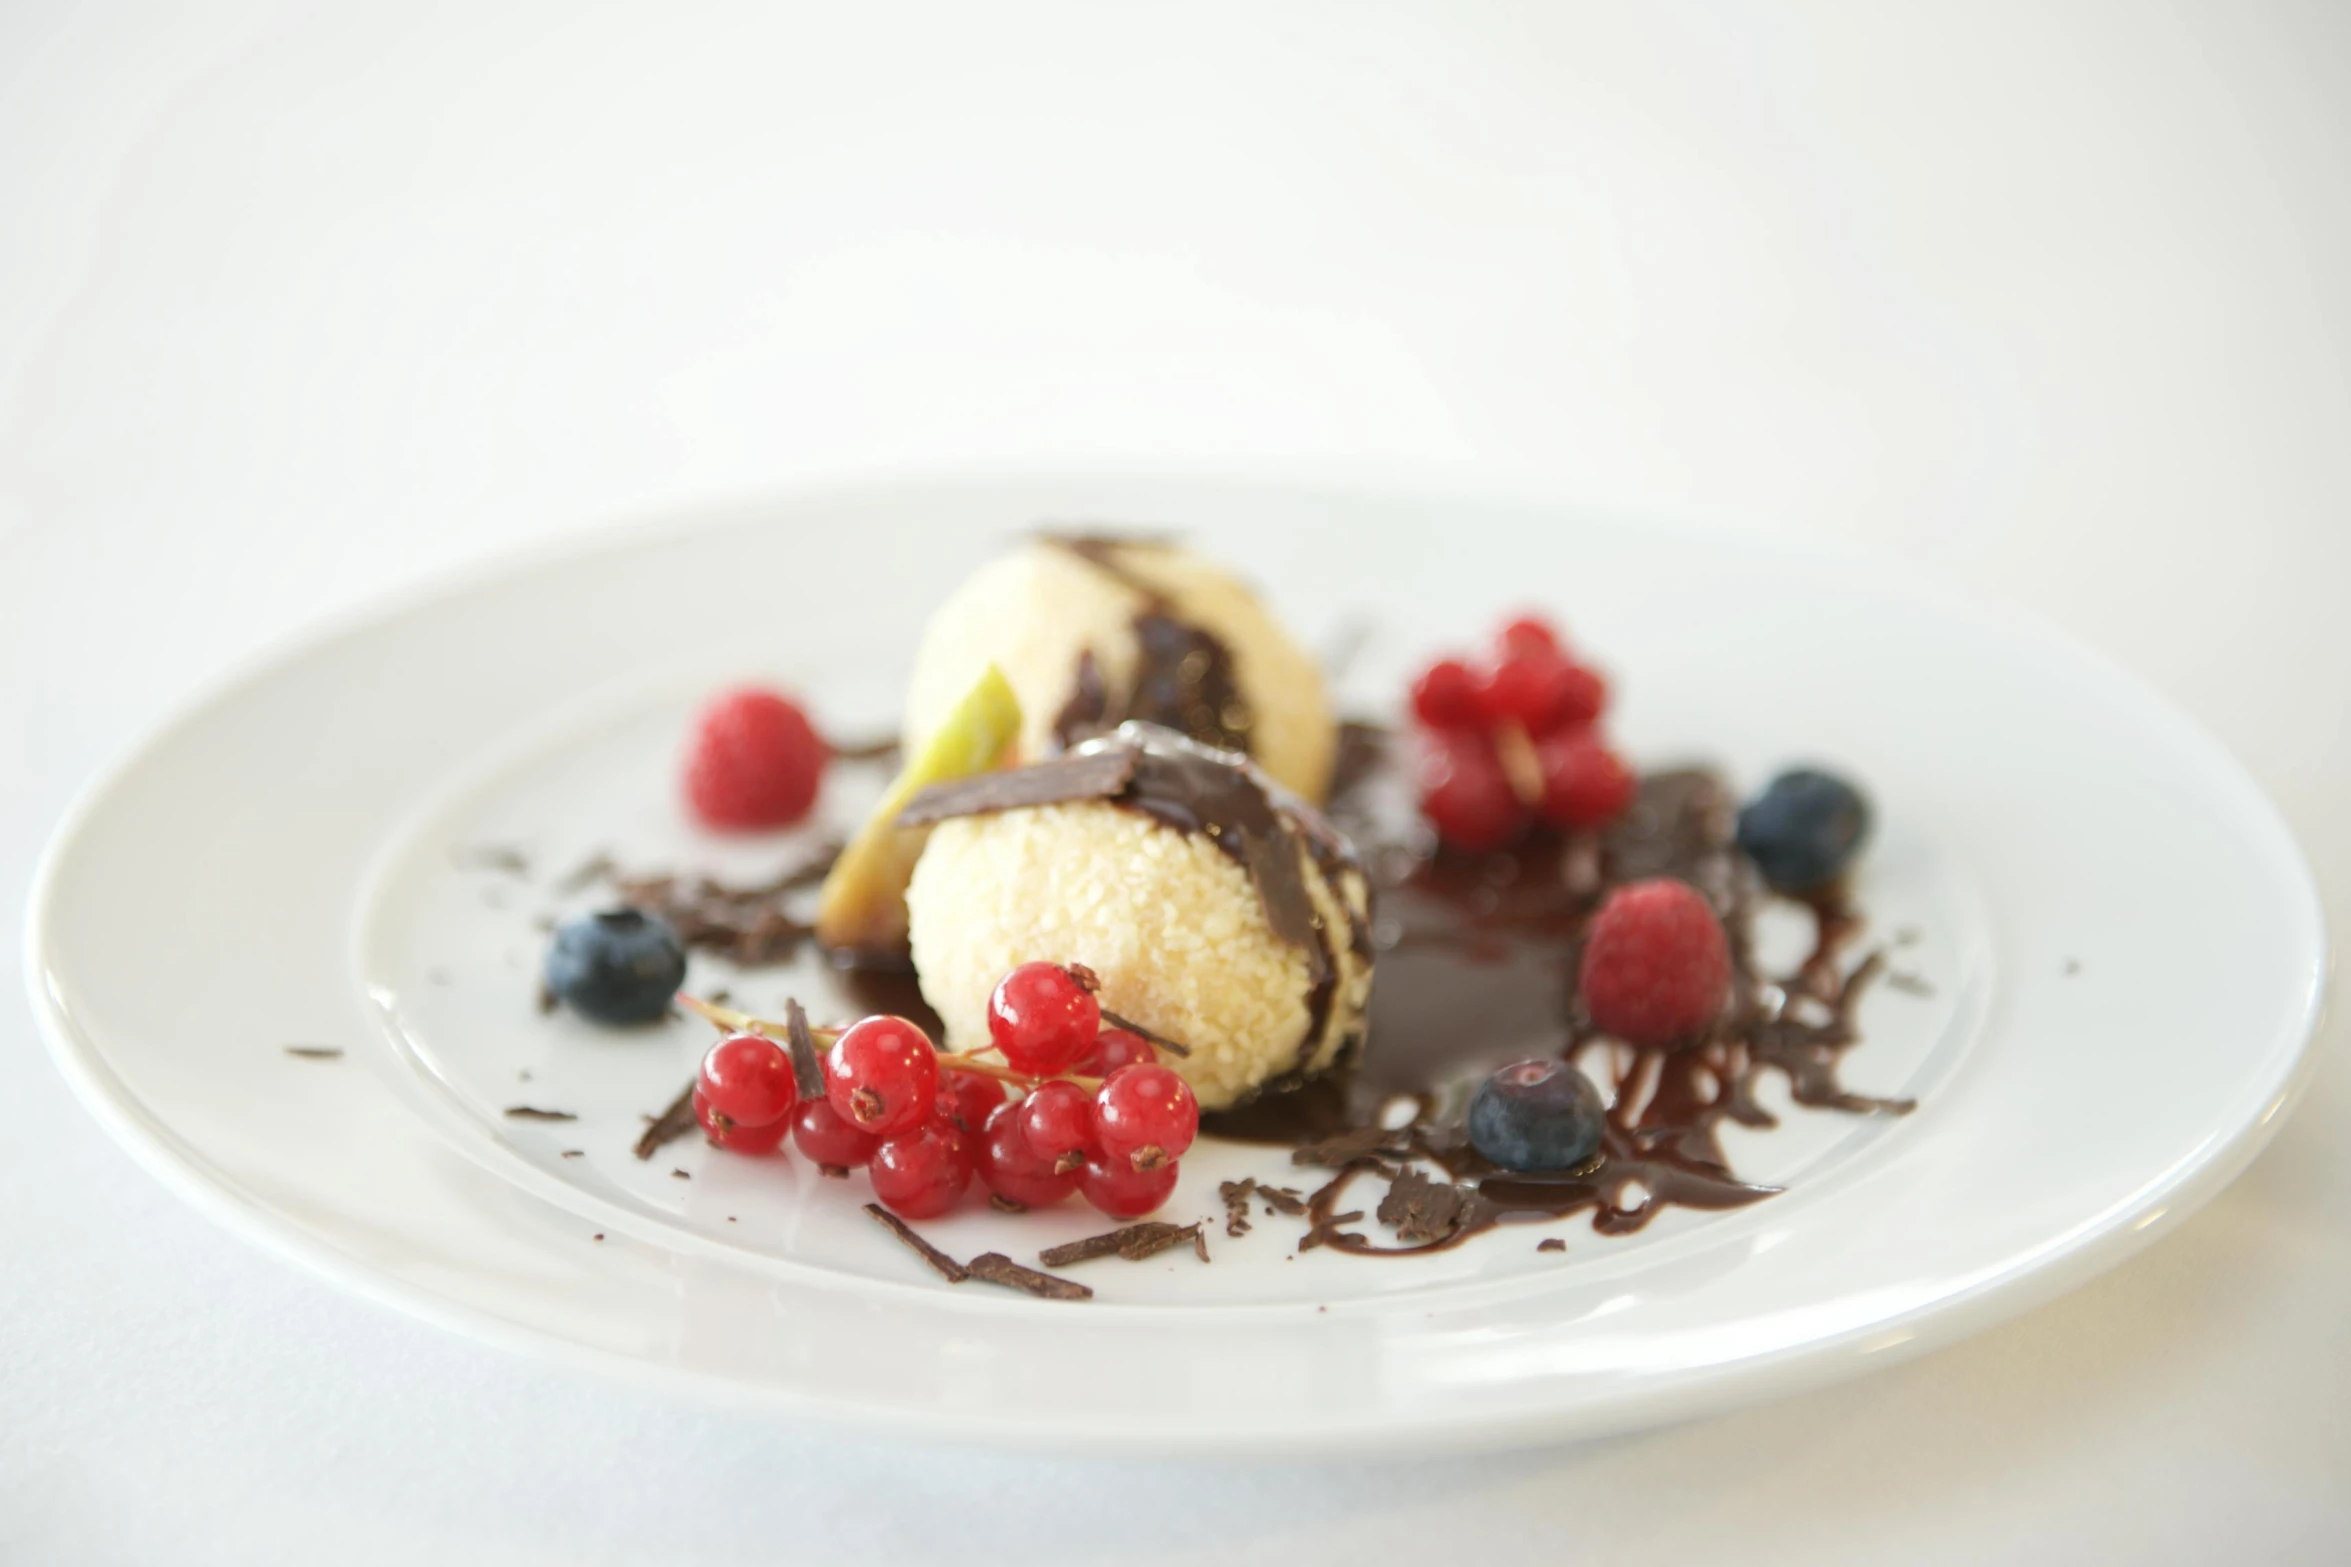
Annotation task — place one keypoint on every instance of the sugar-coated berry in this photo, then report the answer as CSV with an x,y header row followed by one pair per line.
x,y
1145,1116
967,1098
1527,634
1057,1118
1585,784
1805,830
755,761
733,1136
1536,1115
1013,1170
748,1079
882,1075
921,1173
1112,1049
1042,1019
619,966
1446,696
1124,1192
1465,794
824,1138
1656,966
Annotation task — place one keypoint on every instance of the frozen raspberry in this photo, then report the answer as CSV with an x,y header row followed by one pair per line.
x,y
755,761
1656,965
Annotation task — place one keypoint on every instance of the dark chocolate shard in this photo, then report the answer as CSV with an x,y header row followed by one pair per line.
x,y
534,1113
1092,775
674,1122
946,1267
1134,1243
807,1071
316,1052
1158,1040
1422,1211
994,1267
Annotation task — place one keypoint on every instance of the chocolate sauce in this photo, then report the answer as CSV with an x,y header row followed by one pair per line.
x,y
1184,678
1479,969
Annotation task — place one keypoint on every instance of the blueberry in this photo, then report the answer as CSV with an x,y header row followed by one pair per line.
x,y
1805,830
1536,1115
620,966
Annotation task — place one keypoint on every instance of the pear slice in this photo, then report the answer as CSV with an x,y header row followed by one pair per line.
x,y
863,905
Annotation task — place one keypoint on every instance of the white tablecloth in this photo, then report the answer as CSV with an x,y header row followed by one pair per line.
x,y
297,301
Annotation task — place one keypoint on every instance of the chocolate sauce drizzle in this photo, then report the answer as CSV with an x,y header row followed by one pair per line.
x,y
1481,954
1184,677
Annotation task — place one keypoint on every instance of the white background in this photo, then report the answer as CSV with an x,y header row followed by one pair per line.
x,y
297,301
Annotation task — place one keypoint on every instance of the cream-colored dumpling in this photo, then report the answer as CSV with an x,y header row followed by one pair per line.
x,y
1037,611
1171,924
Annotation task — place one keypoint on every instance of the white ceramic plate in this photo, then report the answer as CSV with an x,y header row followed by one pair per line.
x,y
2120,949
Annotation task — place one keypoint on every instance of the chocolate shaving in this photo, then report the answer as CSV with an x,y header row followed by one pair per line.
x,y
679,1175
1236,1205
534,1113
1425,1212
995,1268
1094,775
1004,1204
575,1153
1283,1199
1200,1242
945,1266
1135,1243
748,924
316,1052
1363,1143
807,1072
547,1001
1552,1244
674,1122
1158,1040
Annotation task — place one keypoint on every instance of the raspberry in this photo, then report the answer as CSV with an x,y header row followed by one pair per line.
x,y
1585,784
1042,1019
1465,794
1656,966
1446,696
755,761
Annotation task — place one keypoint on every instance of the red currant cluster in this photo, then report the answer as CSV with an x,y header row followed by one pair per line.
x,y
1515,738
1098,1114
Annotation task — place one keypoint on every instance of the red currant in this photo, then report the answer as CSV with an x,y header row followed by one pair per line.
x,y
1528,634
748,1079
921,1173
824,1138
1124,1192
1465,794
1585,784
1145,1116
1013,1170
968,1098
1112,1049
1539,691
1042,1018
732,1135
755,761
1446,696
1057,1118
882,1075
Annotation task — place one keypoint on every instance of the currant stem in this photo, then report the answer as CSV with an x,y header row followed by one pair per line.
x,y
965,1061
